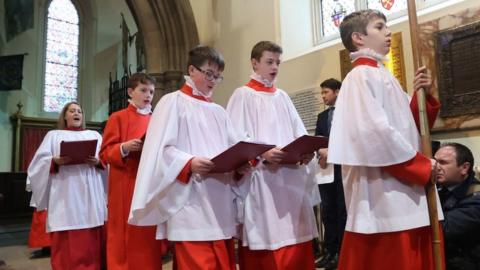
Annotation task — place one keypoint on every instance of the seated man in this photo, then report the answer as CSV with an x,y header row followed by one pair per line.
x,y
460,199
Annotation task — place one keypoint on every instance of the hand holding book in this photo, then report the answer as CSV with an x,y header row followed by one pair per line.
x,y
302,149
76,152
238,155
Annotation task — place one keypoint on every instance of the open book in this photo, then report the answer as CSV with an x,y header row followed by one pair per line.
x,y
303,145
78,151
237,155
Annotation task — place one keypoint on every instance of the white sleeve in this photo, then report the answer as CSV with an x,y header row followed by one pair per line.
x,y
38,179
361,133
158,195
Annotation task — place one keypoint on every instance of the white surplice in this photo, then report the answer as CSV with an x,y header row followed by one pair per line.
x,y
278,202
373,126
75,195
181,128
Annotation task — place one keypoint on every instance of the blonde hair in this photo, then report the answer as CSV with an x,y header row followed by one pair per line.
x,y
61,123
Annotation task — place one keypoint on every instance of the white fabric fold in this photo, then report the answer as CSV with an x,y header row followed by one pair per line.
x,y
181,128
278,201
373,127
76,195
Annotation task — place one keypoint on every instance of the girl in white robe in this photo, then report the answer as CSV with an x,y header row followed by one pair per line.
x,y
73,194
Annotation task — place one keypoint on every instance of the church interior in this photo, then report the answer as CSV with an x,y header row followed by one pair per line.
x,y
105,41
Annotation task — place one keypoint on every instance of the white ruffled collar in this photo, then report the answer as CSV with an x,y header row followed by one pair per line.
x,y
368,53
144,111
195,91
259,78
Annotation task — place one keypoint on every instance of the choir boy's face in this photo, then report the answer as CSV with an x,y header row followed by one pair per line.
x,y
142,94
205,77
73,116
268,65
378,37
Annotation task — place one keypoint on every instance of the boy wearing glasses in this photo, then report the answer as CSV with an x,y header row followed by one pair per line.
x,y
279,222
174,189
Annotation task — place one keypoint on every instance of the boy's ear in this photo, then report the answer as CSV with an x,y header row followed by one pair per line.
x,y
129,91
357,39
254,63
190,70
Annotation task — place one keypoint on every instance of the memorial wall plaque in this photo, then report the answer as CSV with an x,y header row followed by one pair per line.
x,y
309,104
458,57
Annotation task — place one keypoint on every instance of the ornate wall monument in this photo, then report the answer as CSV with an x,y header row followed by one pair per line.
x,y
458,58
429,31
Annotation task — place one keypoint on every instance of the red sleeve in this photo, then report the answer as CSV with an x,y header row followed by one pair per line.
x,y
110,150
415,171
433,107
53,167
185,173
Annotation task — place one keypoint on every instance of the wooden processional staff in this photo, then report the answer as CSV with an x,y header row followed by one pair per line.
x,y
430,188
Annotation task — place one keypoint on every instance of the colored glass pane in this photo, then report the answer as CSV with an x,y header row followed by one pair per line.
x,y
333,12
387,7
61,67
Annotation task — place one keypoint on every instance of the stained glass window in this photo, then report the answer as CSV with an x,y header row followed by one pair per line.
x,y
61,67
333,12
387,7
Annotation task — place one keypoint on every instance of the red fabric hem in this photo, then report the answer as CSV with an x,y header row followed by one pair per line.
x,y
297,256
38,237
403,250
198,255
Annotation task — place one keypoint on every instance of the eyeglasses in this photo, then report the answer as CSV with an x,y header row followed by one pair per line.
x,y
209,75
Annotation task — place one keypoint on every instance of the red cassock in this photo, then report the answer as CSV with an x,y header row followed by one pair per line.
x,y
298,256
38,237
128,246
412,248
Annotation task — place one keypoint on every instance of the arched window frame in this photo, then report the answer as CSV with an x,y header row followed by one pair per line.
x,y
80,50
393,18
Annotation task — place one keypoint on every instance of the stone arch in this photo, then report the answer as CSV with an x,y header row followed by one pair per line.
x,y
168,30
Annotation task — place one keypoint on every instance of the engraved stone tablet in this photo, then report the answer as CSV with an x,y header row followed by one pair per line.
x,y
458,59
309,104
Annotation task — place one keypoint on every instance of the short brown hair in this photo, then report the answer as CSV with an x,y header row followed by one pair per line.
x,y
135,79
331,83
201,54
260,47
357,22
61,123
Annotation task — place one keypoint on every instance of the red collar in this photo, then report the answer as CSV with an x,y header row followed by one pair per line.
x,y
363,61
74,128
187,90
258,86
132,108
